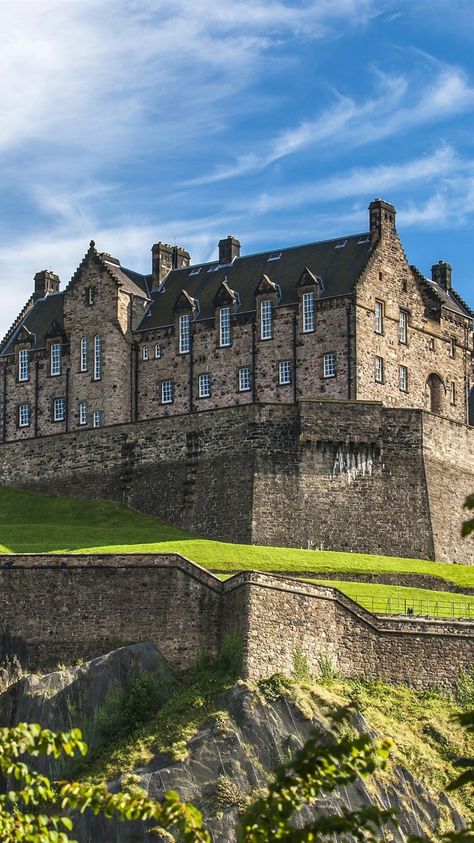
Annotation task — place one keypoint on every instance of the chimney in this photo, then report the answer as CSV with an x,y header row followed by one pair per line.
x,y
46,282
382,219
229,248
441,274
164,259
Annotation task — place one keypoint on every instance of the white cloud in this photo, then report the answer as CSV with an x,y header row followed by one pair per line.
x,y
400,104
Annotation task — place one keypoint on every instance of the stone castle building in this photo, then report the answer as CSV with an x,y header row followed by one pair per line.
x,y
314,396
346,319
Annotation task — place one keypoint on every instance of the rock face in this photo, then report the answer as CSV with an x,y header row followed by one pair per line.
x,y
228,759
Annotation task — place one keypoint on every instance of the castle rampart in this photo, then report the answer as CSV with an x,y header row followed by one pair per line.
x,y
339,475
87,605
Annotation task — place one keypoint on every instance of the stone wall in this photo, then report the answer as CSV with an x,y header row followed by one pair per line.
x,y
340,475
62,608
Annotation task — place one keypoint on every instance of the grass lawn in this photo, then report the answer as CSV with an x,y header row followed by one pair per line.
x,y
33,523
397,599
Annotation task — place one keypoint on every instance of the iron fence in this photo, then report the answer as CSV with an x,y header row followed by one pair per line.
x,y
412,607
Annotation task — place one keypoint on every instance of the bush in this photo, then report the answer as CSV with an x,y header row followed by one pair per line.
x,y
230,660
275,687
301,671
465,688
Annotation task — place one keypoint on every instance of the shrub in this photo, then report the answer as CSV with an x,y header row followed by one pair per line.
x,y
231,656
465,688
301,671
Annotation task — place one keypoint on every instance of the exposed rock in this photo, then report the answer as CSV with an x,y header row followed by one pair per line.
x,y
229,758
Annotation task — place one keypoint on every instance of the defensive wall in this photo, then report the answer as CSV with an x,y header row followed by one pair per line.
x,y
340,475
67,607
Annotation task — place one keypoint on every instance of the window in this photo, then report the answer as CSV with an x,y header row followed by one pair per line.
x,y
265,320
224,326
184,335
275,256
204,384
97,418
84,354
167,392
403,327
403,378
453,393
157,351
24,415
145,352
244,379
56,358
329,365
452,347
90,295
379,317
284,372
308,312
83,412
431,344
23,365
379,369
59,409
97,358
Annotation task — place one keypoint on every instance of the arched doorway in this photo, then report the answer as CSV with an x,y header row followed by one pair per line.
x,y
435,393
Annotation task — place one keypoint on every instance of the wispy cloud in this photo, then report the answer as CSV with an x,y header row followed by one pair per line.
x,y
398,106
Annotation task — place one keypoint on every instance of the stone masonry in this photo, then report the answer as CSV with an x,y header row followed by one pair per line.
x,y
88,605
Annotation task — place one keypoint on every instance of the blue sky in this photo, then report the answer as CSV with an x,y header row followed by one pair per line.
x,y
133,121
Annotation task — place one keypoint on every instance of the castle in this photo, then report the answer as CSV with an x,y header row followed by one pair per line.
x,y
316,395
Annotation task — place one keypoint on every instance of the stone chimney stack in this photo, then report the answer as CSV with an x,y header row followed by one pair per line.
x,y
46,282
382,219
229,248
164,259
441,274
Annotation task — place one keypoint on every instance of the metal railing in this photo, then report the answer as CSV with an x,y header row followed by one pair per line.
x,y
412,607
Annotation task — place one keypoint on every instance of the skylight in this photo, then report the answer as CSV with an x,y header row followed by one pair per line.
x,y
195,271
341,244
363,240
275,257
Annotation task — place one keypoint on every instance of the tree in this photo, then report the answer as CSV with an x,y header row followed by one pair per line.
x,y
29,811
468,526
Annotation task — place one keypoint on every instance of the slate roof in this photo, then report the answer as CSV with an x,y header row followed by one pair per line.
x,y
338,263
38,320
451,299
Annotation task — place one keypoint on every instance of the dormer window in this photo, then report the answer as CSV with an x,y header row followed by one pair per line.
x,y
24,365
55,359
184,334
266,320
224,327
308,312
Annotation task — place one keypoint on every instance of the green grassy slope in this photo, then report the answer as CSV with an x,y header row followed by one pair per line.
x,y
33,523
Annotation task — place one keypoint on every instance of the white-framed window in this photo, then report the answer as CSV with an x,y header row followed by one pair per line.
x,y
83,412
24,415
379,369
157,351
453,393
90,293
284,372
224,326
166,392
403,378
97,358
431,344
308,312
184,334
329,365
244,379
204,386
145,352
97,418
266,320
24,365
84,354
403,327
452,347
378,317
55,358
59,409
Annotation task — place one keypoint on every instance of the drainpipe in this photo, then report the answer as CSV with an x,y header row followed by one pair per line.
x,y
254,361
67,401
295,391
349,367
4,419
191,367
37,396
